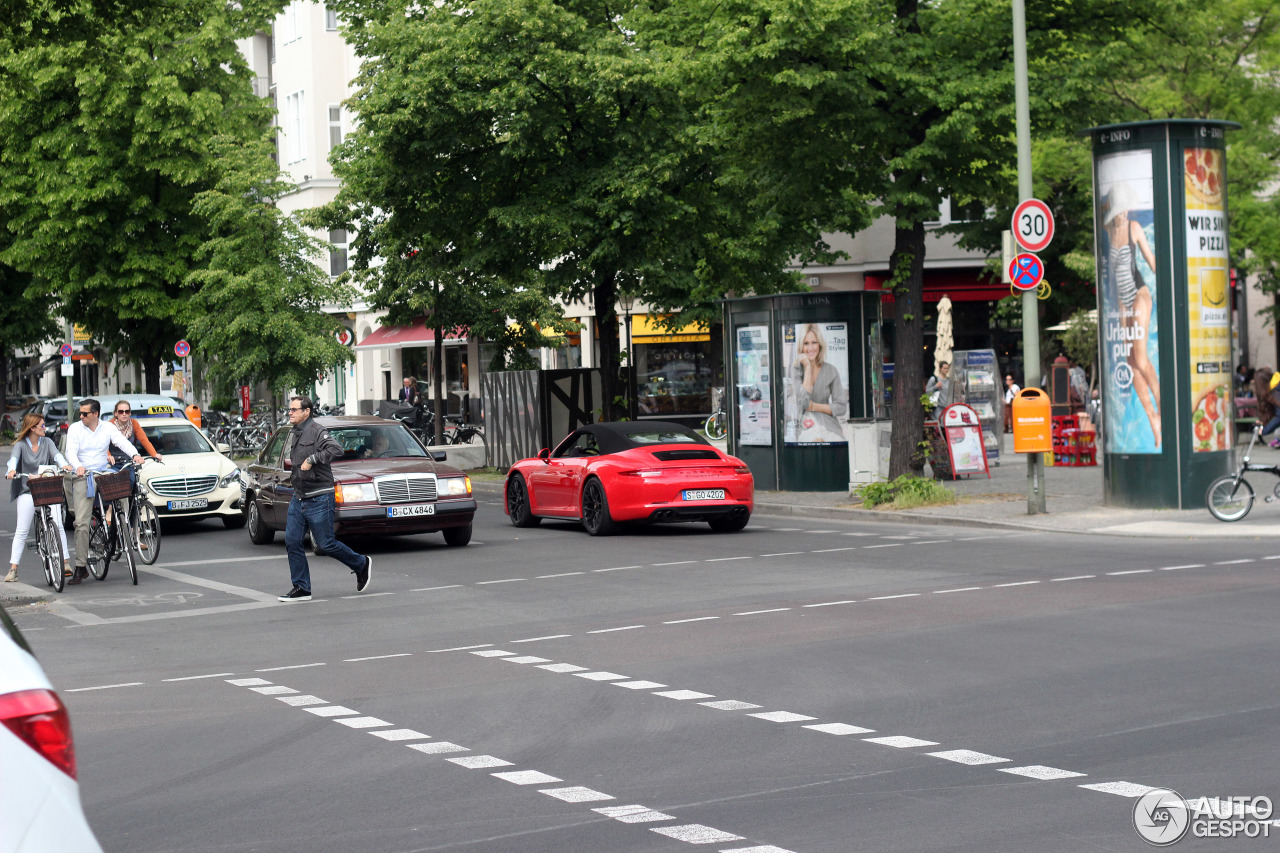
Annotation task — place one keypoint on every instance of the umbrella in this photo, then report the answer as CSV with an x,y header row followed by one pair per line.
x,y
942,349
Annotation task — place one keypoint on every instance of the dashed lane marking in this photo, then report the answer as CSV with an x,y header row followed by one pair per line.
x,y
1194,566
1040,772
559,575
758,612
105,687
830,603
891,597
1120,789
1074,578
694,619
294,666
378,657
504,580
958,589
611,630
1129,572
537,639
195,677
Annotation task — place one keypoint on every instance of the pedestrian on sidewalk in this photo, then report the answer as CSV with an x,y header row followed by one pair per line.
x,y
311,449
31,449
1011,390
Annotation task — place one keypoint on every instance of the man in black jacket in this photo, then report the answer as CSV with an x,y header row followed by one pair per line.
x,y
311,449
409,393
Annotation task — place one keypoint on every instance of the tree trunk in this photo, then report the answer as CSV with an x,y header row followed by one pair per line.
x,y
611,388
4,384
151,372
907,268
437,386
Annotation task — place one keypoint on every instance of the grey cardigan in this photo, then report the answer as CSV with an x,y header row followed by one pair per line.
x,y
24,460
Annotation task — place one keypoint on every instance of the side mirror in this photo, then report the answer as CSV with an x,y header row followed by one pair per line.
x,y
439,455
223,448
544,454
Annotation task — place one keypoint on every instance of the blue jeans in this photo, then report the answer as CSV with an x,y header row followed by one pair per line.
x,y
1271,425
317,514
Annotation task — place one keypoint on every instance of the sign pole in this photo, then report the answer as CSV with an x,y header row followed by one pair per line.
x,y
1030,308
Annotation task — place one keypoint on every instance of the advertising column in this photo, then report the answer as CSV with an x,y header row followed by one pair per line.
x,y
1208,307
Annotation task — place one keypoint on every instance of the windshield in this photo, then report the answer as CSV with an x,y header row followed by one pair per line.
x,y
663,437
176,439
374,441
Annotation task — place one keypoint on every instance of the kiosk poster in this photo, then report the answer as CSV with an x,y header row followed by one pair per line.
x,y
755,419
816,382
963,429
1127,274
1208,318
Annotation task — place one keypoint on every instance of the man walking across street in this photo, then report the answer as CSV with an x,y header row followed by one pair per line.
x,y
88,443
311,449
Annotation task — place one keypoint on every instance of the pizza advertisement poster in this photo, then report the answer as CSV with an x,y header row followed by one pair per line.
x,y
1208,299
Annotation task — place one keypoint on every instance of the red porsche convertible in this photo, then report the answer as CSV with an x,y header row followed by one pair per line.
x,y
631,471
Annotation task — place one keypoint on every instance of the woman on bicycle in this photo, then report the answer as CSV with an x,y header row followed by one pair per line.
x,y
31,449
132,432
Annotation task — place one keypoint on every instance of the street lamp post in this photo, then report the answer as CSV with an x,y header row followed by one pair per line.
x,y
626,302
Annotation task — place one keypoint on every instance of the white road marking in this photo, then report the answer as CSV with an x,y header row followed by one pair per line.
x,y
600,676
833,550
273,690
1074,578
839,729
1016,583
560,575
930,542
1189,566
730,705
958,589
492,653
536,639
968,756
459,649
1120,789
527,659
764,848
194,677
332,711
695,833
611,630
577,794
1131,572
890,545
1233,562
299,701
857,534
438,747
638,685
105,686
900,741
758,612
362,722
294,666
201,611
195,580
223,560
247,682
683,695
526,777
400,734
830,603
434,588
781,717
563,667
726,559
798,529
504,580
479,762
367,595
378,657
820,531
1039,771
694,619
617,569
888,597
676,563
783,554
633,814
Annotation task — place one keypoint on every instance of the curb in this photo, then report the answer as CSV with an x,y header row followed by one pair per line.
x,y
21,593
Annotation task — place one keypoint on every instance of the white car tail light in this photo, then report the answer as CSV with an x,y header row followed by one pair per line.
x,y
39,720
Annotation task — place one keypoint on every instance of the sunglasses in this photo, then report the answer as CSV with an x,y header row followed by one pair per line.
x,y
123,411
296,409
84,414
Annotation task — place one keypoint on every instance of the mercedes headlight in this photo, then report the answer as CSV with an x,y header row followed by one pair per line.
x,y
233,477
455,486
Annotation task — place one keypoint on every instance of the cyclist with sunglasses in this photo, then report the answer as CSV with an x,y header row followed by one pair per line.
x,y
88,442
132,431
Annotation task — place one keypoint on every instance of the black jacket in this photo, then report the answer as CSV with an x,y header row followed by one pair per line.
x,y
311,441
410,395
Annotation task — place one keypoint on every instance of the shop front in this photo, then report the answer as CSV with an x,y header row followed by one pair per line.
x,y
674,369
409,351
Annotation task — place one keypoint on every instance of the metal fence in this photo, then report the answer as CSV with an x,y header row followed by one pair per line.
x,y
527,410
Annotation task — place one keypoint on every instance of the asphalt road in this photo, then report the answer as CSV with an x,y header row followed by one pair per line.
x,y
799,686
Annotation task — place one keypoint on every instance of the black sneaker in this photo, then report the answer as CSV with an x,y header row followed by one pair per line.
x,y
296,594
362,575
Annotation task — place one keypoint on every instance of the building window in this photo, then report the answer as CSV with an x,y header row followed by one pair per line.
x,y
295,148
288,28
338,252
330,19
335,126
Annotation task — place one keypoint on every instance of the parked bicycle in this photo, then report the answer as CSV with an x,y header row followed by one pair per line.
x,y
46,493
717,426
1230,497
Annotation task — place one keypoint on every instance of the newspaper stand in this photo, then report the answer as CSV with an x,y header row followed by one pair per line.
x,y
1073,447
966,449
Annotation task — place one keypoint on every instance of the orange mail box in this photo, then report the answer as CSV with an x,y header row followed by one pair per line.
x,y
1032,424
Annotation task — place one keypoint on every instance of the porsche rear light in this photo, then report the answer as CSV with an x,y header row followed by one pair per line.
x,y
40,721
741,469
650,473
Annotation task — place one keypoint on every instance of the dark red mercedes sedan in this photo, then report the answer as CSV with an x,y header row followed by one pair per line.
x,y
386,484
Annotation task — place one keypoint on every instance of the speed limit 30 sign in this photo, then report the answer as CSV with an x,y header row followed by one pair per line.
x,y
1033,225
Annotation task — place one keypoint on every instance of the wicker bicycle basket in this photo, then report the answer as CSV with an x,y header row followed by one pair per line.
x,y
46,491
113,487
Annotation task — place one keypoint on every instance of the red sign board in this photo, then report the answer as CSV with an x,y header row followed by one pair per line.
x,y
965,445
1033,225
245,409
1026,271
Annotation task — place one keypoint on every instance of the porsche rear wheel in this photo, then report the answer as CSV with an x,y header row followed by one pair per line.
x,y
518,503
595,510
731,524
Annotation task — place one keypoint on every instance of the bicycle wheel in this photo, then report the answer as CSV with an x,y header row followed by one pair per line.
x,y
1229,499
126,536
98,560
146,531
50,546
716,427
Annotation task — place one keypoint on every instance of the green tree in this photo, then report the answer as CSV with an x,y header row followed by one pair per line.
x,y
544,146
107,115
259,295
27,318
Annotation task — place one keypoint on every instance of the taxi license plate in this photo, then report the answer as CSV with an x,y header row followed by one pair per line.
x,y
407,511
703,494
190,503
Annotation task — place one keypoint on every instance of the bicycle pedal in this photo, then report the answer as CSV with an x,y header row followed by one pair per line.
x,y
1269,499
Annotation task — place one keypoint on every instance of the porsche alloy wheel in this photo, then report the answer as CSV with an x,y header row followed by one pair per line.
x,y
595,510
731,524
518,503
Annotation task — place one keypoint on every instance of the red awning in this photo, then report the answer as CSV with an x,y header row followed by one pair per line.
x,y
959,286
416,335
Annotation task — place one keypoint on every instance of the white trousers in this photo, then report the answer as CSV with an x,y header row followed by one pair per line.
x,y
27,512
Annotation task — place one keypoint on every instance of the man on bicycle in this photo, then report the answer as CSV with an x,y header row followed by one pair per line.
x,y
88,442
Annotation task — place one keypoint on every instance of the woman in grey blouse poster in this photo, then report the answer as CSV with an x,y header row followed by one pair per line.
x,y
817,386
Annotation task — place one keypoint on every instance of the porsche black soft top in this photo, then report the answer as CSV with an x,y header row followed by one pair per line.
x,y
617,436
